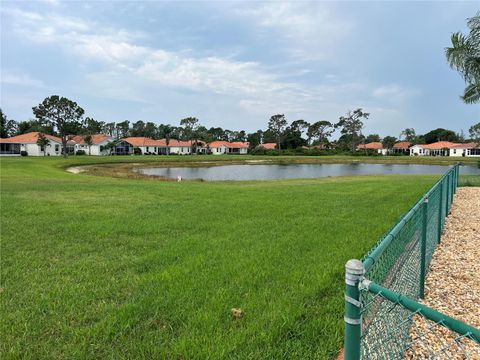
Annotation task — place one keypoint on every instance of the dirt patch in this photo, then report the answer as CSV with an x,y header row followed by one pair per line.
x,y
453,282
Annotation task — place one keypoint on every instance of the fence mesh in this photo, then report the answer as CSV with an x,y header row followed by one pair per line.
x,y
388,329
398,333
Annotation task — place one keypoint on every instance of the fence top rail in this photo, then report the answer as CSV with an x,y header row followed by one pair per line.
x,y
453,324
379,248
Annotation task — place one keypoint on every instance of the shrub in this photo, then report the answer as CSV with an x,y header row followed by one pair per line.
x,y
80,152
137,151
23,153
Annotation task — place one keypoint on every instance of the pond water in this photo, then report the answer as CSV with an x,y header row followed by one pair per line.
x,y
293,171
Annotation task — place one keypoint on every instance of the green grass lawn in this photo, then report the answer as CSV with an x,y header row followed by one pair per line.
x,y
100,267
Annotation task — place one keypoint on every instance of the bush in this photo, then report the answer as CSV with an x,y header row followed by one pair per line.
x,y
137,151
80,152
23,153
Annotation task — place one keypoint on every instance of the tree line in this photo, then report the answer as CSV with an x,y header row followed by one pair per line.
x,y
63,117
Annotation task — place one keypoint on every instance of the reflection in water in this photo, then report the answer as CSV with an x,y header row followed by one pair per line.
x,y
292,171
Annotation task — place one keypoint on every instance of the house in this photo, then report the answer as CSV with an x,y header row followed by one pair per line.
x,y
467,150
402,147
150,146
98,147
268,146
177,147
226,147
439,148
376,146
13,146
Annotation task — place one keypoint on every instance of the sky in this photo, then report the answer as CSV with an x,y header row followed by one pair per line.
x,y
235,63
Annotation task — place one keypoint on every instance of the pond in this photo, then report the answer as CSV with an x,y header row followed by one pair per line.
x,y
294,171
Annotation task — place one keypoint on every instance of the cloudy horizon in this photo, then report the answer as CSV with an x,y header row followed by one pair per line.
x,y
234,64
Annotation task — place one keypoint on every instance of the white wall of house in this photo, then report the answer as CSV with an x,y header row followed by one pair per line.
x,y
243,150
53,149
473,152
94,149
458,152
416,150
180,150
382,151
219,150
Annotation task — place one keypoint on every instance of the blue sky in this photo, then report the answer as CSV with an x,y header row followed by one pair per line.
x,y
234,64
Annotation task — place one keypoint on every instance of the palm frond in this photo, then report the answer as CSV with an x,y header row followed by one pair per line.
x,y
457,54
472,94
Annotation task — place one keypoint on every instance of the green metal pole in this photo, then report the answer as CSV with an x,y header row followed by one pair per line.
x,y
423,248
440,213
353,322
447,200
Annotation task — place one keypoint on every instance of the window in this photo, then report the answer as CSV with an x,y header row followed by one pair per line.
x,y
454,151
57,148
147,149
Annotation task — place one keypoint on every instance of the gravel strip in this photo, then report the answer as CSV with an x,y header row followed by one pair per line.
x,y
453,282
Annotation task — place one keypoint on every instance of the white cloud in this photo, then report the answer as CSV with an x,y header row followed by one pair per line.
x,y
311,30
19,78
394,93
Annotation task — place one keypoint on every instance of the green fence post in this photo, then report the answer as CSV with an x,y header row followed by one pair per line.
x,y
447,200
440,212
353,321
423,247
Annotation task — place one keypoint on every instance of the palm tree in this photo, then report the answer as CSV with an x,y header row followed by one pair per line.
x,y
464,56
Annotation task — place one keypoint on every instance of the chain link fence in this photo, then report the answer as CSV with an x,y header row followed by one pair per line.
x,y
382,290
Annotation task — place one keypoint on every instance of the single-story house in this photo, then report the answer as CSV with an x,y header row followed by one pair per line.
x,y
151,146
402,147
226,147
468,149
439,148
378,146
98,147
268,146
13,146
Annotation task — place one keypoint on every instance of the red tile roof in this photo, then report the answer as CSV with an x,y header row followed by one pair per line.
x,y
268,146
232,145
470,145
402,145
145,141
372,145
96,139
29,138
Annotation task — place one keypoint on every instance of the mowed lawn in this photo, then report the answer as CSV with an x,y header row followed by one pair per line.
x,y
99,267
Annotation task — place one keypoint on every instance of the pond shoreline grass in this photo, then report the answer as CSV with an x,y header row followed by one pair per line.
x,y
101,267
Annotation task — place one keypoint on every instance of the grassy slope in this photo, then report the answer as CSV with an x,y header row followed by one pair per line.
x,y
102,267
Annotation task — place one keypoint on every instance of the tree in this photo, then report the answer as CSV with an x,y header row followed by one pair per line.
x,y
389,141
122,129
8,128
43,142
474,132
320,131
464,56
89,141
277,125
409,135
92,126
372,138
109,129
190,125
138,129
352,126
440,135
63,113
255,139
